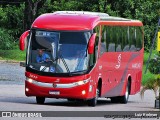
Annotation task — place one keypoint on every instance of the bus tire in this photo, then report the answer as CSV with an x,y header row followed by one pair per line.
x,y
124,99
92,102
40,100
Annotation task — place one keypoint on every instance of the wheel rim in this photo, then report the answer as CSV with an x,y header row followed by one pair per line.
x,y
97,95
126,93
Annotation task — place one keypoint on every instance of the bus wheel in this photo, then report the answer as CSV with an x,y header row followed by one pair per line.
x,y
124,98
40,100
92,102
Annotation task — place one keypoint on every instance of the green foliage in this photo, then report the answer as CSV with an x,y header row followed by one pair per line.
x,y
12,16
11,20
15,17
147,77
6,40
145,59
154,65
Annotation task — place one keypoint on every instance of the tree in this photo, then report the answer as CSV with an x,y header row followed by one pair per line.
x,y
31,10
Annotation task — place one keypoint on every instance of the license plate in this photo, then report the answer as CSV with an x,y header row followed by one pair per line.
x,y
54,92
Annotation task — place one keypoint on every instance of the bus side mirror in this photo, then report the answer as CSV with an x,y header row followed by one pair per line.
x,y
22,40
91,44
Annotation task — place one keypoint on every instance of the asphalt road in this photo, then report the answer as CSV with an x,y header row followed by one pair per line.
x,y
12,97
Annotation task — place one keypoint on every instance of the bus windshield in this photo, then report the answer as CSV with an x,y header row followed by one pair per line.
x,y
58,52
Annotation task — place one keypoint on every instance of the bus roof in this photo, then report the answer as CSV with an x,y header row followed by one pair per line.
x,y
79,20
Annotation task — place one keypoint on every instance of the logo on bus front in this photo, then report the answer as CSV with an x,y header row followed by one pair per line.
x,y
54,85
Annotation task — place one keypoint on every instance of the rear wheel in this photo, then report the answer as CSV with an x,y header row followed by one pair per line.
x,y
40,100
92,102
125,97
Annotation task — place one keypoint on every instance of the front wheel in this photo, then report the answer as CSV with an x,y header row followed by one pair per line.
x,y
92,102
40,100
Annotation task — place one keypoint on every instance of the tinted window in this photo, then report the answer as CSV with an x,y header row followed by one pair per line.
x,y
74,37
139,38
133,34
121,38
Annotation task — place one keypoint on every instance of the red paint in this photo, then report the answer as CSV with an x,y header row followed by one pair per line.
x,y
91,44
53,21
23,39
76,92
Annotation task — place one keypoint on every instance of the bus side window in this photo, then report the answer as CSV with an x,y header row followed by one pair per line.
x,y
118,39
133,39
139,38
111,39
126,39
103,41
111,47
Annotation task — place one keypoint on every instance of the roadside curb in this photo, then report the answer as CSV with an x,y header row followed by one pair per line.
x,y
10,61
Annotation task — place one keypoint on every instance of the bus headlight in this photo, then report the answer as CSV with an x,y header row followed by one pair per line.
x,y
83,92
27,89
29,80
81,82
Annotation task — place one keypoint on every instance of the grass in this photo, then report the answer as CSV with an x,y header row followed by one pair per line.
x,y
146,77
146,55
15,55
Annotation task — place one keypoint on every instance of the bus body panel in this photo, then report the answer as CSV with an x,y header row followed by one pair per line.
x,y
70,92
115,80
75,92
51,21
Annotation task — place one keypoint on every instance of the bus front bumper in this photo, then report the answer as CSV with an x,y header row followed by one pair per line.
x,y
50,90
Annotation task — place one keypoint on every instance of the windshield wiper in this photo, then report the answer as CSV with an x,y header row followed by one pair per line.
x,y
79,72
64,62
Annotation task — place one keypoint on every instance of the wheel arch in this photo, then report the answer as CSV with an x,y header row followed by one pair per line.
x,y
130,81
100,86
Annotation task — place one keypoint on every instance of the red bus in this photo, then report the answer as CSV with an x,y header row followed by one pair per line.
x,y
83,56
